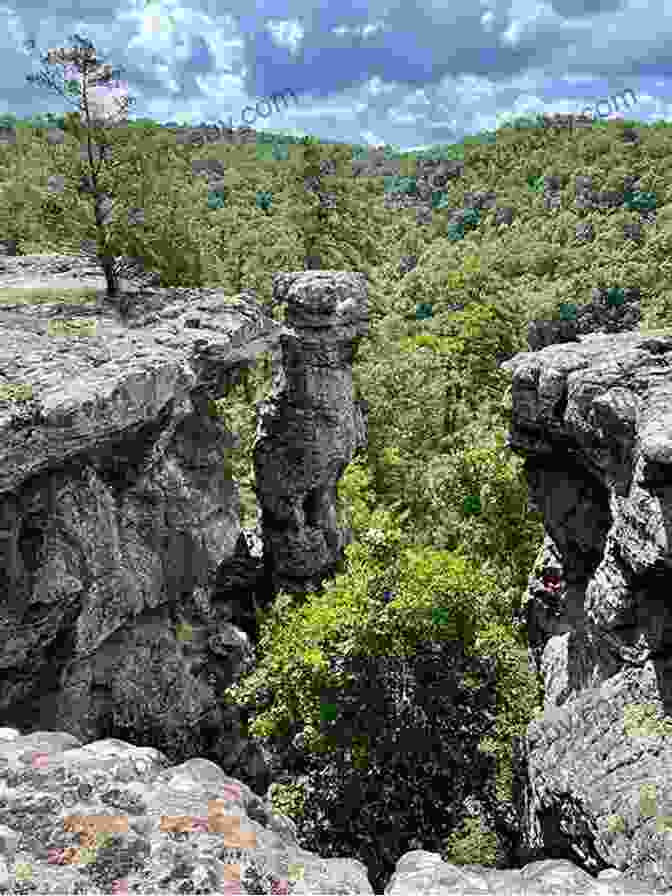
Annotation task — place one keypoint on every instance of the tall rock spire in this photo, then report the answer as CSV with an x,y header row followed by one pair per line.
x,y
312,426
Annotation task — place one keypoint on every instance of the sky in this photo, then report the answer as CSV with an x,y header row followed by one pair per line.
x,y
410,74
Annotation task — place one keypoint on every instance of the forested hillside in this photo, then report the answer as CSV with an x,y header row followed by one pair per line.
x,y
443,540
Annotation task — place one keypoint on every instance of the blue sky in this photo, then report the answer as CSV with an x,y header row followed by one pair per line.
x,y
411,74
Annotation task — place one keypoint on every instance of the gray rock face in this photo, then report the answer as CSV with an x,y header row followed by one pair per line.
x,y
109,817
312,426
127,588
593,420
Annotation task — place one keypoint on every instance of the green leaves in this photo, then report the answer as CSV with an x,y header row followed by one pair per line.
x,y
264,200
567,311
640,201
397,184
615,296
216,199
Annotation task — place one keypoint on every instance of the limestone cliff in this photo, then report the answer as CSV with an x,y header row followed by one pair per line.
x,y
126,582
593,420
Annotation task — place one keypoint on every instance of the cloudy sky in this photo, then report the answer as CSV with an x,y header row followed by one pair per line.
x,y
412,73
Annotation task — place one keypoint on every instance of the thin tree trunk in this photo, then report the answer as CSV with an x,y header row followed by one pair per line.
x,y
111,279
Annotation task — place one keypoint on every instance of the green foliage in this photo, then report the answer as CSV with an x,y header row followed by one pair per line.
x,y
287,799
471,846
640,201
423,311
443,541
567,311
439,199
455,231
615,295
216,199
394,758
264,200
471,217
396,184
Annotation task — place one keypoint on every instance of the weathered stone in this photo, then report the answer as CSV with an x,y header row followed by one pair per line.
x,y
312,426
110,817
593,317
123,560
7,247
593,421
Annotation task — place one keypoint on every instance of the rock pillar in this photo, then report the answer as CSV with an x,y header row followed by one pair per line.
x,y
312,426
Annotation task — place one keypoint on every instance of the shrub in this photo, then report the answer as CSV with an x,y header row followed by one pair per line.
x,y
615,296
471,217
639,201
404,756
471,845
567,311
455,231
216,199
397,184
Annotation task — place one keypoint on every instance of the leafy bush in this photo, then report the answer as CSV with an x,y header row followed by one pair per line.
x,y
397,184
639,201
394,778
471,217
615,296
471,846
455,231
216,199
263,200
567,311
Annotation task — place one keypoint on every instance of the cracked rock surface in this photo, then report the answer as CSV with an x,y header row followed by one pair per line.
x,y
593,420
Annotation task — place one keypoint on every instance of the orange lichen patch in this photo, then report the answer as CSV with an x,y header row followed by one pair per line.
x,y
87,826
231,872
222,822
177,824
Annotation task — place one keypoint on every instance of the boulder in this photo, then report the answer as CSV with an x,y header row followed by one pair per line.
x,y
121,819
593,419
109,817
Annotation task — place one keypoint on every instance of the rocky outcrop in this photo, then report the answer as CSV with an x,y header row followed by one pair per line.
x,y
594,774
311,427
108,817
121,820
596,316
127,587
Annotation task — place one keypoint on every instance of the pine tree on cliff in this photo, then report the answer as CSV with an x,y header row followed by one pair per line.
x,y
95,168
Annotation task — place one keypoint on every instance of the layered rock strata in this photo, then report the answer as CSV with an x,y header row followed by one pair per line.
x,y
312,426
127,586
593,420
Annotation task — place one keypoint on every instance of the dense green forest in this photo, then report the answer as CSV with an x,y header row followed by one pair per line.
x,y
443,540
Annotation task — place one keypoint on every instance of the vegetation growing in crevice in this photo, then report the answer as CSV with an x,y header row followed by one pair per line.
x,y
444,540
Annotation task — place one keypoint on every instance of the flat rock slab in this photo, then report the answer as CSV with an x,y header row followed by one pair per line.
x,y
87,385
